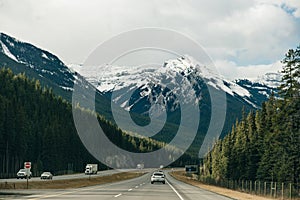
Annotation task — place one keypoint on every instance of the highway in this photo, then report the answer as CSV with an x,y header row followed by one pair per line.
x,y
71,176
134,189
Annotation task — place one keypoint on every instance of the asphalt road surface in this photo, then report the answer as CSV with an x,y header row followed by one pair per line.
x,y
135,189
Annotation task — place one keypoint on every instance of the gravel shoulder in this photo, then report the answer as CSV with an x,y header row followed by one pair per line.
x,y
180,175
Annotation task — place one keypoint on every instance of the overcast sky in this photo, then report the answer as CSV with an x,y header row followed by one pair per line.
x,y
245,38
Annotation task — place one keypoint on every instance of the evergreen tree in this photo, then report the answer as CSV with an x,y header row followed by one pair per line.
x,y
290,86
37,126
265,145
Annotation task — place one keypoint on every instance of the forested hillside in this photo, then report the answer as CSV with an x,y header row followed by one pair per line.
x,y
264,145
37,126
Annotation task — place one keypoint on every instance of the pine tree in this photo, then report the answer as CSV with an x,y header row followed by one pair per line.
x,y
290,79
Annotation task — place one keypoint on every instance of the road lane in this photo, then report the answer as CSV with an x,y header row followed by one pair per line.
x,y
135,189
74,176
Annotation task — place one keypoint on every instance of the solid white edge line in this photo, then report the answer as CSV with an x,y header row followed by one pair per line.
x,y
180,197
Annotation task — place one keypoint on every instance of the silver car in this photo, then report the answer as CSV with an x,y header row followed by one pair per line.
x,y
158,177
46,175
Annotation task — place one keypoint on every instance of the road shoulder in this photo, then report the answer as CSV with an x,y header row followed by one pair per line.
x,y
179,175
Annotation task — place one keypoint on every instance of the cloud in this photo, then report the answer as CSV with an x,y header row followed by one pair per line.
x,y
290,6
232,71
260,34
247,33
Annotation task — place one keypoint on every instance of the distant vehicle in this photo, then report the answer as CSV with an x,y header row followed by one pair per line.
x,y
46,175
91,169
158,177
192,169
140,166
22,173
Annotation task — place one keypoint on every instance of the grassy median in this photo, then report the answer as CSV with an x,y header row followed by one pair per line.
x,y
71,183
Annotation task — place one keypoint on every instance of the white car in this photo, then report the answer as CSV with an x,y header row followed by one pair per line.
x,y
158,177
22,173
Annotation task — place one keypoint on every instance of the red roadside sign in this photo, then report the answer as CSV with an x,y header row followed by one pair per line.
x,y
27,165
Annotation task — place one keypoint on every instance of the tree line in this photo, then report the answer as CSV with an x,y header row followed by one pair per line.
x,y
264,144
37,126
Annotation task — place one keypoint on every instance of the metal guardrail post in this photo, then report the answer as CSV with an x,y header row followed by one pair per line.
x,y
255,191
275,190
242,185
259,188
265,188
271,189
290,191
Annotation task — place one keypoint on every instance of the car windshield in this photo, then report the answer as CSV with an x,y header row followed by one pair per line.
x,y
22,170
158,174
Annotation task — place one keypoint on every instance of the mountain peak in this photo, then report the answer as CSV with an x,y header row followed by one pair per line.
x,y
187,64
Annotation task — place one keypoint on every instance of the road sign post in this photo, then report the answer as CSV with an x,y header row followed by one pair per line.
x,y
27,166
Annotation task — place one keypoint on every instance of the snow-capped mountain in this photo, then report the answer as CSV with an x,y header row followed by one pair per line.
x,y
36,63
137,88
48,69
145,82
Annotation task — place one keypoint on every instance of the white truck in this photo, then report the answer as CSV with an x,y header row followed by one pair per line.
x,y
91,169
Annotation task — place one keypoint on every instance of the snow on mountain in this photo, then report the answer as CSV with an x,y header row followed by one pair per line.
x,y
262,87
6,51
184,71
110,78
188,64
35,62
270,79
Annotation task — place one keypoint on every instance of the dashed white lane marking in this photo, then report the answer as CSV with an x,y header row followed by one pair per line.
x,y
130,189
118,195
137,186
65,193
180,197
